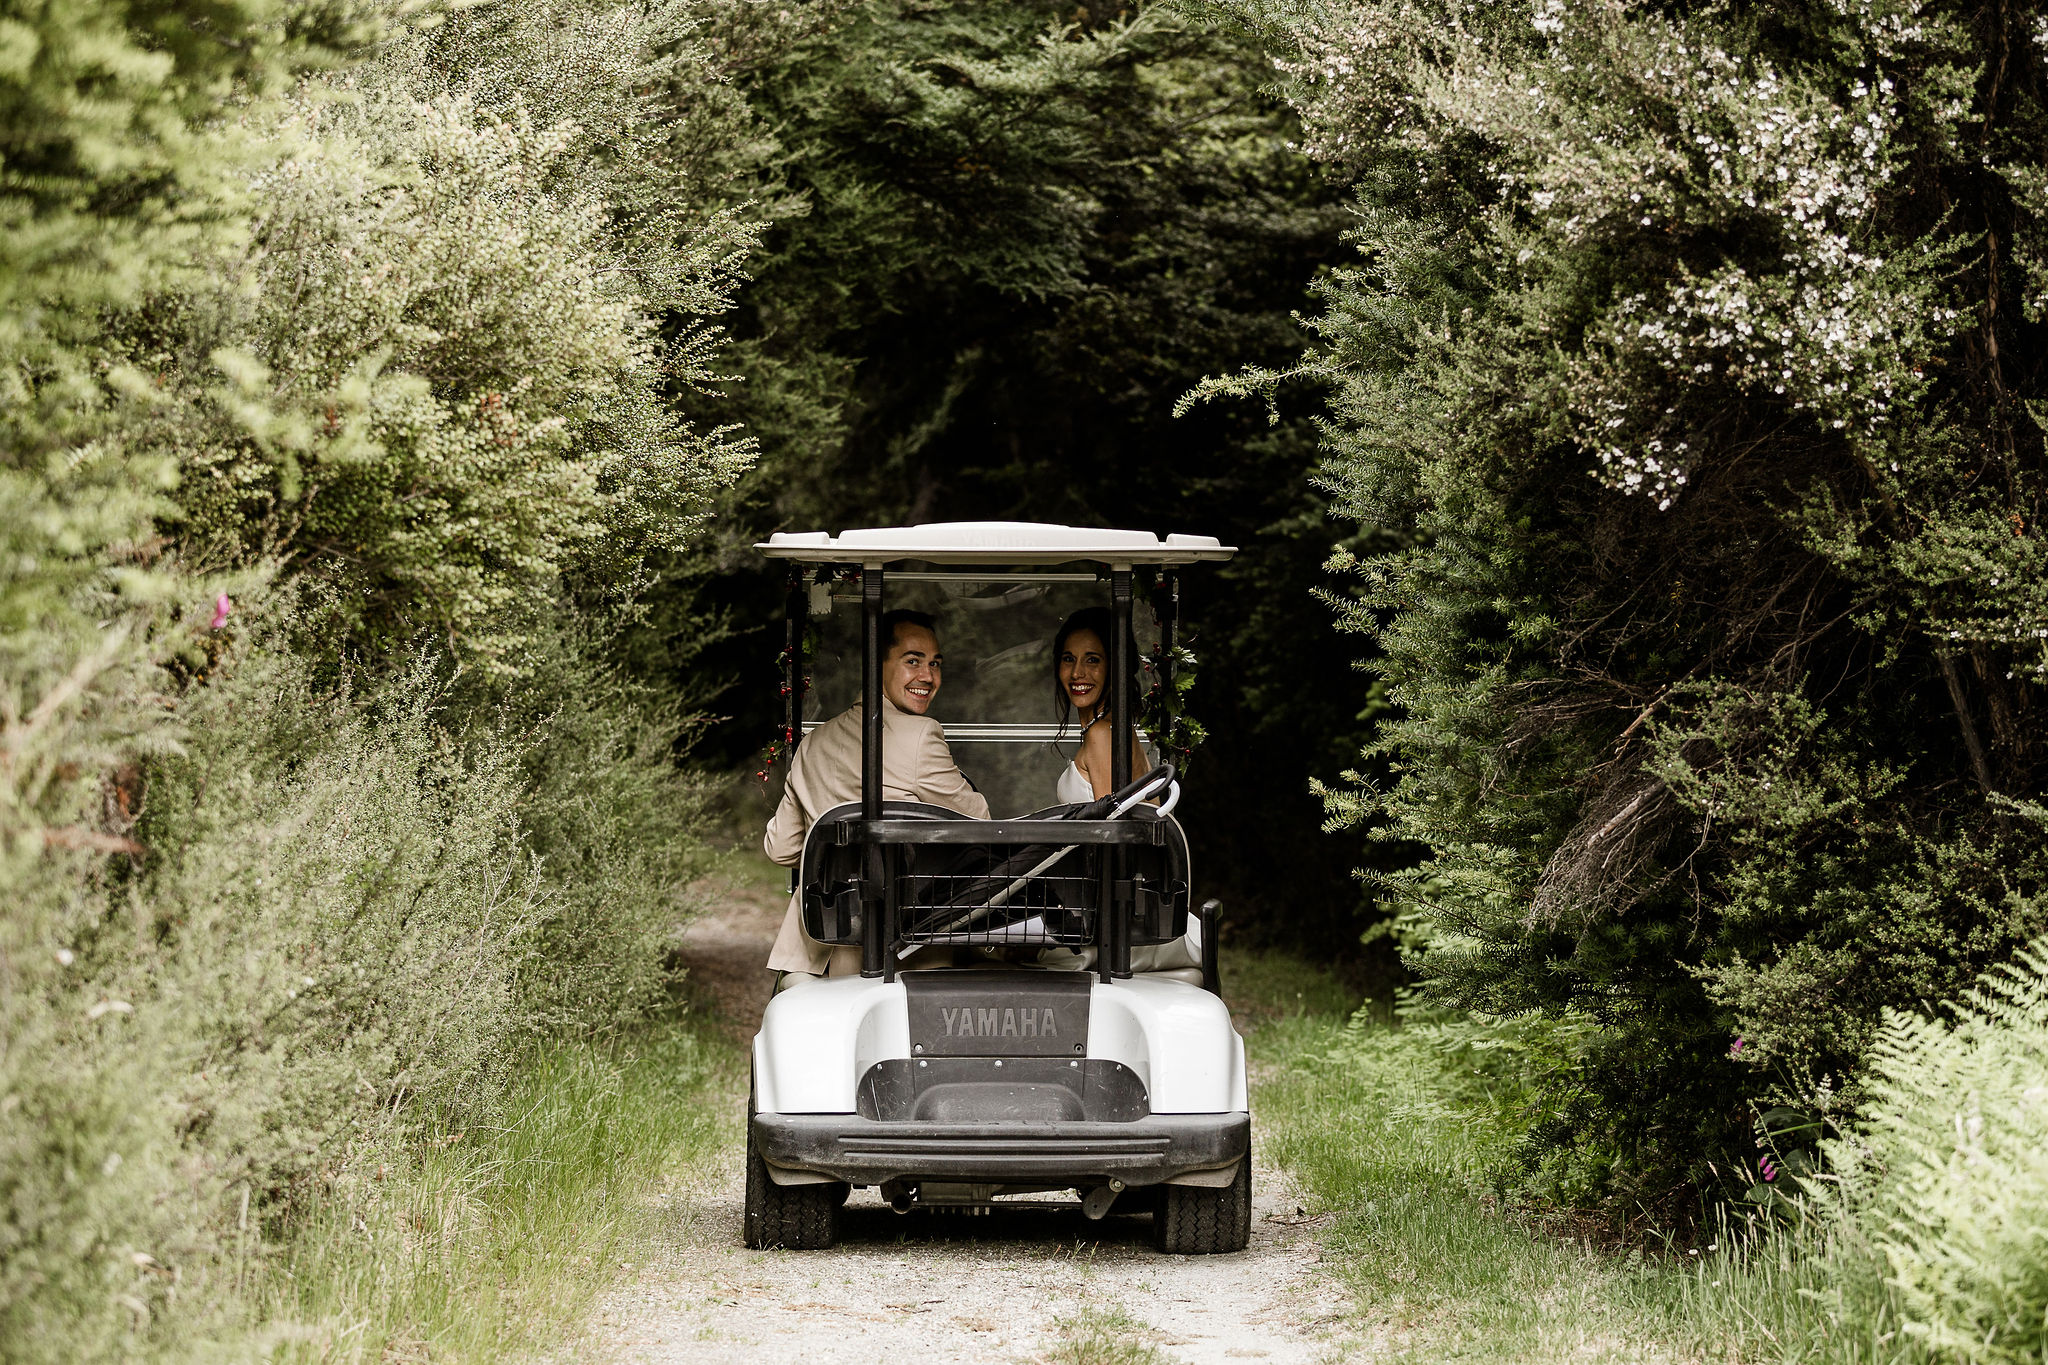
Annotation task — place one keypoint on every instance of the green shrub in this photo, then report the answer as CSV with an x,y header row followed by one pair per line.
x,y
321,937
1677,375
339,912
1947,1177
351,918
115,156
435,372
614,826
400,337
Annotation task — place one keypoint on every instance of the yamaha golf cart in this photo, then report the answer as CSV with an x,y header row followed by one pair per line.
x,y
997,1040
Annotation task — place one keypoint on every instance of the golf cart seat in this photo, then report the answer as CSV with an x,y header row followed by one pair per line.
x,y
1012,891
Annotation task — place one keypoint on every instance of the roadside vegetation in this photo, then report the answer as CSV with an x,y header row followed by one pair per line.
x,y
493,1241
388,391
1689,362
342,830
1913,1241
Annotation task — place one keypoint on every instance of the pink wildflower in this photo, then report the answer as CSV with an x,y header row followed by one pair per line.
x,y
1770,1171
222,609
1736,1049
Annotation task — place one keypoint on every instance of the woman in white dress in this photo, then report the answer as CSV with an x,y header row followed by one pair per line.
x,y
1080,666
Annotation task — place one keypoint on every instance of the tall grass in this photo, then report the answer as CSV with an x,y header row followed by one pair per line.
x,y
1925,1243
491,1240
1398,1148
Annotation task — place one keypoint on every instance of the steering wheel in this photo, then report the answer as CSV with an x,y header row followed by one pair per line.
x,y
1145,788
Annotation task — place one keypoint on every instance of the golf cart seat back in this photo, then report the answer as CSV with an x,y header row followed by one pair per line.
x,y
1016,893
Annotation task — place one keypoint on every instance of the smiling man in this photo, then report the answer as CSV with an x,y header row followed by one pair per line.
x,y
917,765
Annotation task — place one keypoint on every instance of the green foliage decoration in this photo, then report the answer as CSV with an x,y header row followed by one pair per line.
x,y
1163,710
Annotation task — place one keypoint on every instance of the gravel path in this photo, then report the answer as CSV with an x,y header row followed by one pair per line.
x,y
1022,1284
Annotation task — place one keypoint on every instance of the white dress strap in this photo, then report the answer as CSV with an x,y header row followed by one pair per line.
x,y
1073,787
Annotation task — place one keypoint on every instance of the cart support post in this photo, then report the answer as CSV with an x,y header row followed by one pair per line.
x,y
1122,726
796,606
873,648
1169,700
1122,734
796,610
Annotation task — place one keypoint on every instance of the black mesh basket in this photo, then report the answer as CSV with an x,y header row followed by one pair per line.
x,y
1003,894
1045,910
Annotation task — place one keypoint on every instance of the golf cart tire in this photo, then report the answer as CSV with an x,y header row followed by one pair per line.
x,y
795,1217
1193,1220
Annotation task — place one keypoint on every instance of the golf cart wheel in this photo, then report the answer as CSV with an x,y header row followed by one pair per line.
x,y
799,1217
1195,1221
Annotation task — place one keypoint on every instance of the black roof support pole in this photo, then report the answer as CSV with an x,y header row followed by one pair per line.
x,y
796,610
1122,726
1122,735
1169,700
872,648
796,607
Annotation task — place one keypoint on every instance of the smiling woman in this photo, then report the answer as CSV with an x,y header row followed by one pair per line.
x,y
1080,663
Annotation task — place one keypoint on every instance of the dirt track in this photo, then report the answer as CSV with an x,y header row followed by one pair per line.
x,y
1014,1285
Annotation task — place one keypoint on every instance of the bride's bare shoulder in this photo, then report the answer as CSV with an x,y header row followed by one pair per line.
x,y
1094,746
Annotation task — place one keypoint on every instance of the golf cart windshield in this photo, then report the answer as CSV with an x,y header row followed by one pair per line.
x,y
997,700
930,876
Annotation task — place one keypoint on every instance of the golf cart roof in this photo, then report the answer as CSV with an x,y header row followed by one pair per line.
x,y
992,542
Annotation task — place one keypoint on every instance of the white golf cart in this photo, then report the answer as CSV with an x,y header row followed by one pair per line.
x,y
962,1064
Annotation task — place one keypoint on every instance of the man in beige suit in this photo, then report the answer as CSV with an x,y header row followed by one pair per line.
x,y
916,766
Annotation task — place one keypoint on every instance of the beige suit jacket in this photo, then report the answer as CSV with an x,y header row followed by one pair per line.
x,y
917,765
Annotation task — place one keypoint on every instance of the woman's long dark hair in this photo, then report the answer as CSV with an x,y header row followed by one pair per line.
x,y
1103,623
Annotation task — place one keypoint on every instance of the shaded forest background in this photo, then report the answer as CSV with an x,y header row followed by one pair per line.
x,y
1074,233
1631,418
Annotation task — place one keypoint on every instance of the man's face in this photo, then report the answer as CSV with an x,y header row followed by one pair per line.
x,y
910,673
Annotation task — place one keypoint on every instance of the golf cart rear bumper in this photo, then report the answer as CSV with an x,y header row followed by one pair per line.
x,y
867,1151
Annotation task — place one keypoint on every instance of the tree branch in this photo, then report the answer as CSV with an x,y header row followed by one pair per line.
x,y
1978,765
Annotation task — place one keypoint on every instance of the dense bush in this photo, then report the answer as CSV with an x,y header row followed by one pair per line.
x,y
433,372
104,199
351,918
1693,357
613,824
376,322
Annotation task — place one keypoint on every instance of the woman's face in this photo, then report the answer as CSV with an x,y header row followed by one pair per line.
x,y
1083,667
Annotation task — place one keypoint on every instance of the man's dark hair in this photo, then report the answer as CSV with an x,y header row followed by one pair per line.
x,y
893,621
